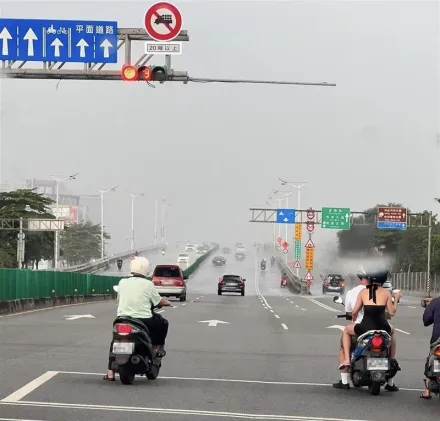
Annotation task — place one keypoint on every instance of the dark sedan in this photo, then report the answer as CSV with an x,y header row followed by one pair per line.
x,y
231,283
219,261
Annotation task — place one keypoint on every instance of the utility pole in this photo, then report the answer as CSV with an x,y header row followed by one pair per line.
x,y
133,196
58,180
103,192
286,197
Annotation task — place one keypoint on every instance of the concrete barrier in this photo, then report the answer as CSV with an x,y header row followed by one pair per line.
x,y
294,283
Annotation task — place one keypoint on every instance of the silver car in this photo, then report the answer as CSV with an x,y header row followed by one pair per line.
x,y
169,281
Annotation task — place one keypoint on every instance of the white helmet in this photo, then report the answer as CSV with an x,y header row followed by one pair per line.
x,y
140,265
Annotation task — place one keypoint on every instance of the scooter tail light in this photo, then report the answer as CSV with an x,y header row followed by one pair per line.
x,y
376,343
124,329
437,351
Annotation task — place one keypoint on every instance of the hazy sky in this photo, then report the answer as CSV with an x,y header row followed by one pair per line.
x,y
214,150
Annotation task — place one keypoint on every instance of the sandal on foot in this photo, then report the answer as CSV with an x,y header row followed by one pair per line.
x,y
343,366
427,397
109,379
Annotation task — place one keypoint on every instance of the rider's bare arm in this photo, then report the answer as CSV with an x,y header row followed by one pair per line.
x,y
357,307
164,302
391,307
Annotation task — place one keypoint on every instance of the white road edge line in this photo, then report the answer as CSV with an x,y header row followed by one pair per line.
x,y
400,330
208,379
276,315
173,411
257,287
30,387
321,304
284,326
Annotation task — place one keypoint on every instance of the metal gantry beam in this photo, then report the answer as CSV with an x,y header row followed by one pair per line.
x,y
96,71
264,215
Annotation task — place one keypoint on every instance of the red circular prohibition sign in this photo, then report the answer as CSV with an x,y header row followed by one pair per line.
x,y
152,12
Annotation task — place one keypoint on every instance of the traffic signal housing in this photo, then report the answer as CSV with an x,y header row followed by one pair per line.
x,y
130,73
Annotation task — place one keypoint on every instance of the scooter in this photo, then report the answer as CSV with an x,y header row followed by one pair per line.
x,y
132,350
263,266
119,264
283,283
432,368
163,252
371,364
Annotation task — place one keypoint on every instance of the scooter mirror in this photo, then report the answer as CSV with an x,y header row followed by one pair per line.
x,y
337,300
116,288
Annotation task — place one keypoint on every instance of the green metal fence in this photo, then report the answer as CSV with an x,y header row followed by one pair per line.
x,y
17,284
20,284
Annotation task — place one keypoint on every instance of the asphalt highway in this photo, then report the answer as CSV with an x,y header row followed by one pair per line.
x,y
274,357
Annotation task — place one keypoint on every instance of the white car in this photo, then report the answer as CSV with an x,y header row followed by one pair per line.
x,y
190,247
183,258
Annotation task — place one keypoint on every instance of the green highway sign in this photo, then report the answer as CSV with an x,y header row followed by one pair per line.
x,y
336,218
298,249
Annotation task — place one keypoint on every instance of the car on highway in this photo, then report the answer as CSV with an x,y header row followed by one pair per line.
x,y
169,281
200,250
231,283
226,250
219,261
240,256
190,246
333,283
183,258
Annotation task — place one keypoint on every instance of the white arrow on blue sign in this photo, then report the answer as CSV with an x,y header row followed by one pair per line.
x,y
59,40
285,216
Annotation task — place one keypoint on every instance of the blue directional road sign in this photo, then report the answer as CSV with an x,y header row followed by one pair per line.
x,y
58,40
285,216
392,225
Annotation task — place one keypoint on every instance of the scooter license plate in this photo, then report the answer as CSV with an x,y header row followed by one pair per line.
x,y
125,348
436,366
376,364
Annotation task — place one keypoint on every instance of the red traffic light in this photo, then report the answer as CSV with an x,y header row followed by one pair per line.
x,y
129,72
144,73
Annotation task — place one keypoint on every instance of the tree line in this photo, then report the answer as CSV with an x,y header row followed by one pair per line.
x,y
407,249
79,243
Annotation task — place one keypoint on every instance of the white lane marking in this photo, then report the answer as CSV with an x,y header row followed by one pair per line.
x,y
183,304
30,387
272,311
284,326
173,411
411,307
296,305
197,298
257,287
303,309
209,379
321,304
159,311
264,307
399,330
276,315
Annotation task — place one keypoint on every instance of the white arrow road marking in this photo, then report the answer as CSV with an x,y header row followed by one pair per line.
x,y
82,44
213,323
56,44
336,327
5,36
106,44
30,37
79,316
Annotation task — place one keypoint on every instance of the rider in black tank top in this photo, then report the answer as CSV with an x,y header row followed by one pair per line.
x,y
374,319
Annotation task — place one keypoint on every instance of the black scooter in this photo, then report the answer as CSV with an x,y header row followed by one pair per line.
x,y
119,264
263,266
132,350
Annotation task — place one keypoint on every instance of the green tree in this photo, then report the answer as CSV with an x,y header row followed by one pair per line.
x,y
25,203
408,249
82,242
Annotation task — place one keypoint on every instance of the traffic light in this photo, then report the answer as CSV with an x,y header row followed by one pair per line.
x,y
159,73
130,72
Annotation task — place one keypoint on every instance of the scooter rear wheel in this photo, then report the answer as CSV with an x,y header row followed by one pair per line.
x,y
126,375
375,388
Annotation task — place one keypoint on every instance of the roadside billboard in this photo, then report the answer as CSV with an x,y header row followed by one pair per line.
x,y
69,214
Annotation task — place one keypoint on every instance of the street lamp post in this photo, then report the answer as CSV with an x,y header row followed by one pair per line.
x,y
278,200
58,179
274,227
155,223
103,192
133,196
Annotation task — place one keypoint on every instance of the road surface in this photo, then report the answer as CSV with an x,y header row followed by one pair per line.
x,y
274,358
